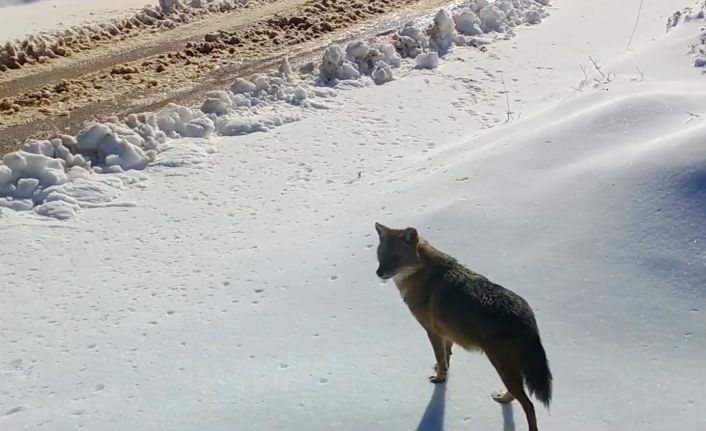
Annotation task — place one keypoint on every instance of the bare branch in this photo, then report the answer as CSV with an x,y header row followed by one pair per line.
x,y
637,21
642,75
507,100
692,116
583,69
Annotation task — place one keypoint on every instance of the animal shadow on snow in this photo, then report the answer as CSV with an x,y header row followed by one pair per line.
x,y
433,418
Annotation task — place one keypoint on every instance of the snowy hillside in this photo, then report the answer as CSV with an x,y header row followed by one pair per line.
x,y
226,281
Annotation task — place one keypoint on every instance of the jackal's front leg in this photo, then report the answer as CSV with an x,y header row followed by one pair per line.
x,y
440,351
447,344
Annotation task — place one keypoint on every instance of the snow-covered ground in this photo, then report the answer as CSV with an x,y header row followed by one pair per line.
x,y
21,17
231,285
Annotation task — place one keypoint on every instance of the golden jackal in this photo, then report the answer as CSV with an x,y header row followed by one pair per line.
x,y
457,305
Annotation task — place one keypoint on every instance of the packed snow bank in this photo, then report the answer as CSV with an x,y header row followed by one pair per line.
x,y
360,59
51,177
259,103
54,187
475,18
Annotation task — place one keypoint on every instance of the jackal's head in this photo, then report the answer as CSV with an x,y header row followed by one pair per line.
x,y
397,251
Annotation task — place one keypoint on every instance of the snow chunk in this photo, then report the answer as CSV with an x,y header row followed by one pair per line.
x,y
428,60
477,5
201,127
171,6
242,86
442,33
285,69
389,54
363,56
26,188
297,95
382,73
533,17
172,118
7,181
410,41
468,23
46,170
492,19
334,66
261,83
16,204
113,145
217,102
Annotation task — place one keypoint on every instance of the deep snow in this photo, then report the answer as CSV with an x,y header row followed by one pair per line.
x,y
236,289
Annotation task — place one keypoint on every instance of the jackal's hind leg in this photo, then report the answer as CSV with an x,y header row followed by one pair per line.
x,y
503,397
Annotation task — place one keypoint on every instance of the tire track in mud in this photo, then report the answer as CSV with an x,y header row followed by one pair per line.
x,y
199,63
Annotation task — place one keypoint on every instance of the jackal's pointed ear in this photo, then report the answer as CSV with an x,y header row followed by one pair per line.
x,y
381,229
410,236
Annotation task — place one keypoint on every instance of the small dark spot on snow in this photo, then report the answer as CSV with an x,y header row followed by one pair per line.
x,y
13,410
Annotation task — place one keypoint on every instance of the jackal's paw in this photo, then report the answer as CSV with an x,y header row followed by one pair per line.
x,y
503,397
437,379
436,366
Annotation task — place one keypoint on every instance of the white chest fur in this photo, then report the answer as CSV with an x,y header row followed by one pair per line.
x,y
400,278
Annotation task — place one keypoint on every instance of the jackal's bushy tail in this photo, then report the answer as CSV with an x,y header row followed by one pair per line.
x,y
538,376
